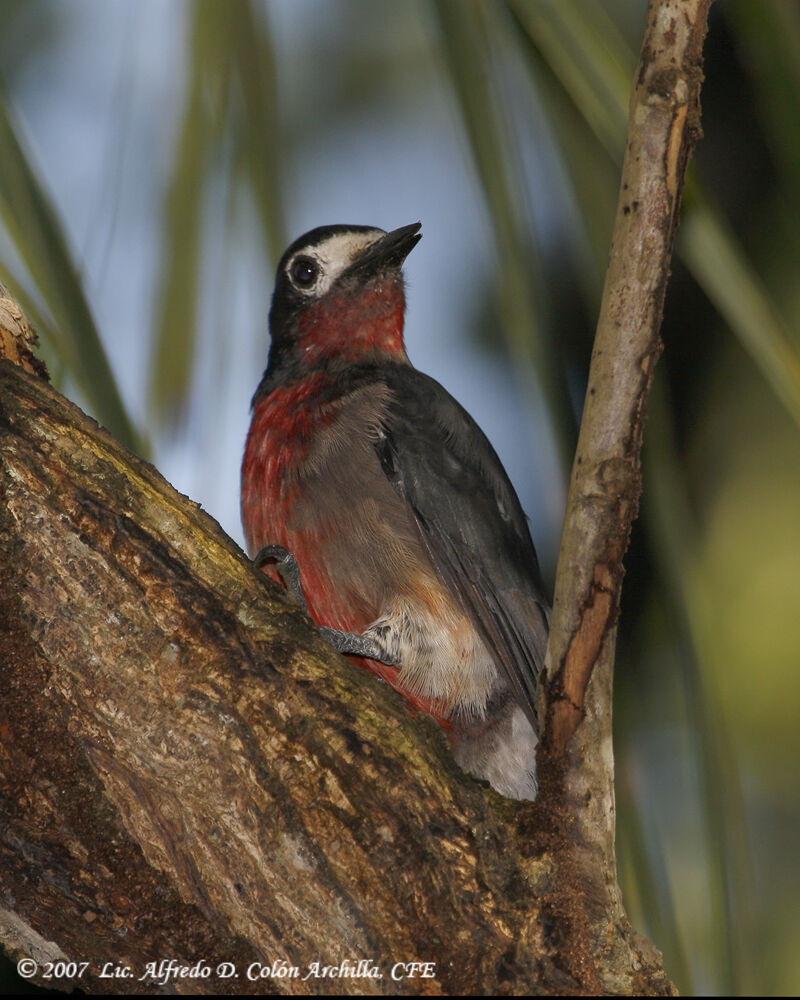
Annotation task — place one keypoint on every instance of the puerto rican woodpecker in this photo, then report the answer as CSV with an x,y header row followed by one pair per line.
x,y
367,476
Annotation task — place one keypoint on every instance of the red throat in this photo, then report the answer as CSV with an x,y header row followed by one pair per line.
x,y
356,327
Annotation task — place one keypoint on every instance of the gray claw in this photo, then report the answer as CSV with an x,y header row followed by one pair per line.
x,y
288,569
345,642
350,643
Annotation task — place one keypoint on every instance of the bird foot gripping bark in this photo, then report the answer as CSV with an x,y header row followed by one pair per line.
x,y
346,643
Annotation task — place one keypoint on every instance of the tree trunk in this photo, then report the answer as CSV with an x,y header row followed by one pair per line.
x,y
189,773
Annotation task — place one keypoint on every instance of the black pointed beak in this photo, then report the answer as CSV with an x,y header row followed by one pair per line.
x,y
388,252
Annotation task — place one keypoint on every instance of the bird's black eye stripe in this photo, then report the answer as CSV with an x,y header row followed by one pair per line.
x,y
304,271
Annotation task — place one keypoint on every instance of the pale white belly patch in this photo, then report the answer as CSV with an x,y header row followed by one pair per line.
x,y
442,657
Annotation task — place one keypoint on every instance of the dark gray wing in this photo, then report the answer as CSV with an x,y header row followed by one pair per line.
x,y
441,463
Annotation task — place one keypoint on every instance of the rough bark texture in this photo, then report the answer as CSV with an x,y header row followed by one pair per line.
x,y
17,337
188,772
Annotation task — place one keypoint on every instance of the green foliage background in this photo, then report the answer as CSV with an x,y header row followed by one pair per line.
x,y
706,726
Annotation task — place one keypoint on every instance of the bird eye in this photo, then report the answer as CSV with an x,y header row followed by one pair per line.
x,y
304,272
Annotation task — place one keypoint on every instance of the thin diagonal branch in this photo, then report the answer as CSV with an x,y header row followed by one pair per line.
x,y
664,124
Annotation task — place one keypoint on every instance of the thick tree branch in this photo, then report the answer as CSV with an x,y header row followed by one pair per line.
x,y
188,770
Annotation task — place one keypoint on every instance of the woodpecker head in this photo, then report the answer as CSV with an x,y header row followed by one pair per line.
x,y
339,298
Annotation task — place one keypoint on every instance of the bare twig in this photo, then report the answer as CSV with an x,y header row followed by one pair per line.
x,y
664,123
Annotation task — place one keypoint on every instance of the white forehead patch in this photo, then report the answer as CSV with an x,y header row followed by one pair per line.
x,y
333,256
